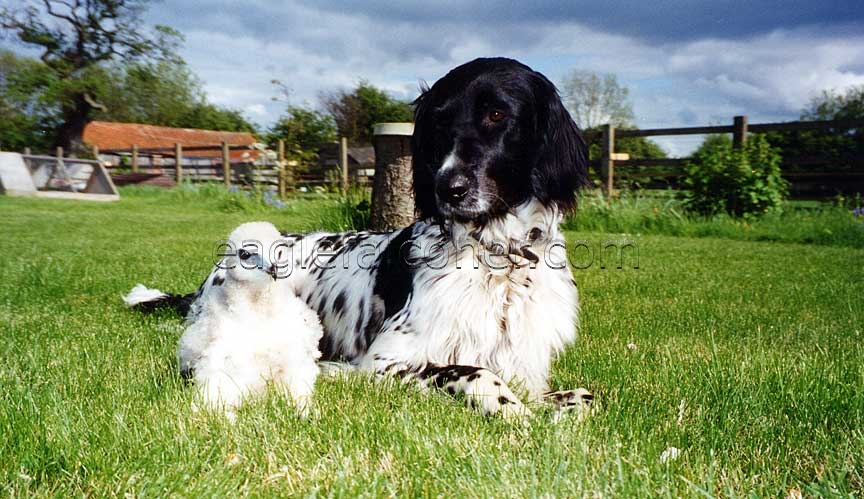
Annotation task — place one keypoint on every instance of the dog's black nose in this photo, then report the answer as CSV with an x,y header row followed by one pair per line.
x,y
457,188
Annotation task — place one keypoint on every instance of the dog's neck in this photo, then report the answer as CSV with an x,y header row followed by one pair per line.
x,y
530,224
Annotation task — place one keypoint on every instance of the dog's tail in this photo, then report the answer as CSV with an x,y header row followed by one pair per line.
x,y
147,300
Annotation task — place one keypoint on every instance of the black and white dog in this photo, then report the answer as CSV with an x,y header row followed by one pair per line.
x,y
476,297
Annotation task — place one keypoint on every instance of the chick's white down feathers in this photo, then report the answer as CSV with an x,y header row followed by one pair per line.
x,y
249,329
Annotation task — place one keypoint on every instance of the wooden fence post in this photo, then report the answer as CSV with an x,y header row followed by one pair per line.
x,y
343,162
178,162
739,134
283,167
96,153
226,164
607,163
134,158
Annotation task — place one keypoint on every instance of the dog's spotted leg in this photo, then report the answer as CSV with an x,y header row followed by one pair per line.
x,y
578,402
482,389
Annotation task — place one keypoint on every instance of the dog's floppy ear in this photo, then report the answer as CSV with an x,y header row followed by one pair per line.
x,y
424,152
562,160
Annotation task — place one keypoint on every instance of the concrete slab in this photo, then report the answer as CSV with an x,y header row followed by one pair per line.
x,y
87,176
78,196
15,179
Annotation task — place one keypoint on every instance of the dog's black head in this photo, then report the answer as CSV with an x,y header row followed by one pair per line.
x,y
490,135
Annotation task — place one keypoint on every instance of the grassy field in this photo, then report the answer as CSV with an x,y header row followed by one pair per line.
x,y
745,355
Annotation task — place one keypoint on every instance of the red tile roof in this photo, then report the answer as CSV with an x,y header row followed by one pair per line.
x,y
109,136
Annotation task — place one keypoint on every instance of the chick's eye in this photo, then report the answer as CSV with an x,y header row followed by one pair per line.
x,y
243,254
496,116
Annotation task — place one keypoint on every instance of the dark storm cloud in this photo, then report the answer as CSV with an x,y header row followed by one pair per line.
x,y
655,21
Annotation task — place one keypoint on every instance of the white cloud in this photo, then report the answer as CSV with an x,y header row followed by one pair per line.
x,y
314,50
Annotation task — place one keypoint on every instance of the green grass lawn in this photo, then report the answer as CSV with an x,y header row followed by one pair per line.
x,y
745,355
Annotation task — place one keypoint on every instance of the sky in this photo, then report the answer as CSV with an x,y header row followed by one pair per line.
x,y
686,63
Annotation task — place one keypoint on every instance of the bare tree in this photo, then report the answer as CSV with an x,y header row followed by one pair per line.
x,y
596,100
76,38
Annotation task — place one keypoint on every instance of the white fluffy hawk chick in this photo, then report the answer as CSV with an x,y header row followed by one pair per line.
x,y
248,327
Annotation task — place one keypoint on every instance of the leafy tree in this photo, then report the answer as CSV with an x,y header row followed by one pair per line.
x,y
636,147
596,100
77,38
164,93
207,116
159,93
356,112
831,105
303,131
27,117
840,143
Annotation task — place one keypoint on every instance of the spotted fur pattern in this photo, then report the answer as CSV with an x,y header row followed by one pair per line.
x,y
475,298
433,303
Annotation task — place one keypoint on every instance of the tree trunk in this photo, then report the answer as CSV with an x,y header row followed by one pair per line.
x,y
392,194
70,133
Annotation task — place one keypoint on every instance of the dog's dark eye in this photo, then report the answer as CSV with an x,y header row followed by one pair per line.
x,y
243,254
496,116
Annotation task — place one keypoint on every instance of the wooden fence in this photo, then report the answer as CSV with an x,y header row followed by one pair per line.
x,y
610,162
227,163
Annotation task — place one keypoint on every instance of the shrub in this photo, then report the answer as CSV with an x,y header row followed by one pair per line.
x,y
743,182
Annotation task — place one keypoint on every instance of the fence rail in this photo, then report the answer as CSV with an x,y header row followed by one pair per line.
x,y
610,161
227,163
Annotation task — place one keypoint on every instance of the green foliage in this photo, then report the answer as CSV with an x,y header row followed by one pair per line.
x,y
831,105
636,147
635,213
76,41
207,116
350,212
744,355
743,182
164,93
160,92
845,145
303,131
28,118
356,112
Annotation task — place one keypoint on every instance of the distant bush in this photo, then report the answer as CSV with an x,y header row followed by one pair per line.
x,y
743,182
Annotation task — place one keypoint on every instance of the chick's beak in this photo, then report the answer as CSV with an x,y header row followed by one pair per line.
x,y
273,272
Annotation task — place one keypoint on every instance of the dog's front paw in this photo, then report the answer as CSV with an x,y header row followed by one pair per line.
x,y
515,411
565,403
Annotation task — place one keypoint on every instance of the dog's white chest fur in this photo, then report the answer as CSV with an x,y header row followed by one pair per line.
x,y
505,313
498,322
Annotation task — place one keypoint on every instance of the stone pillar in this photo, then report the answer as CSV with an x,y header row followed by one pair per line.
x,y
392,194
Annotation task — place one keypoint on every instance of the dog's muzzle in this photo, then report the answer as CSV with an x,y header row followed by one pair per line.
x,y
454,188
